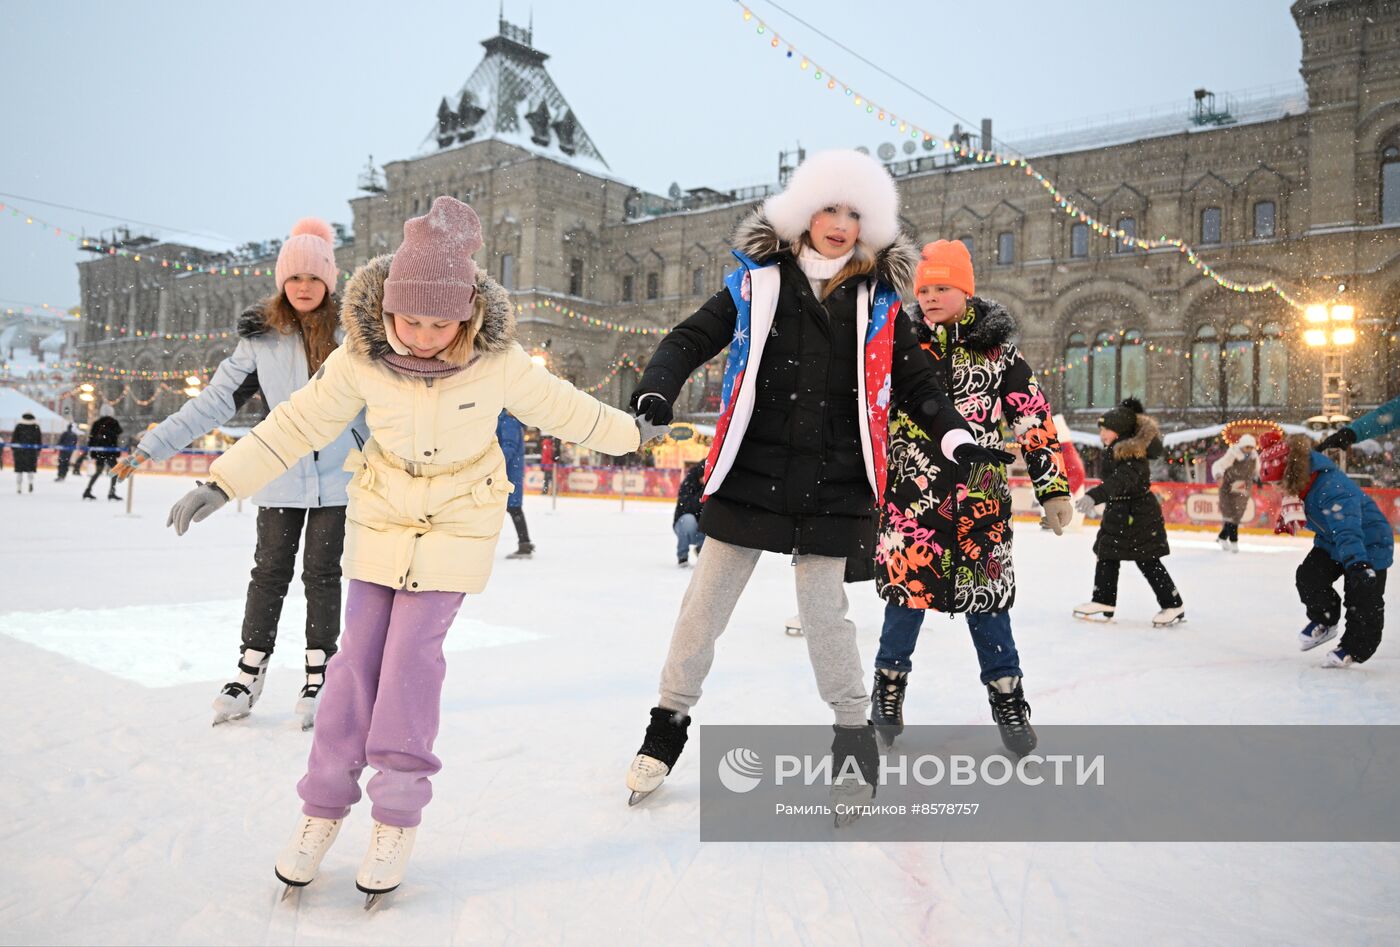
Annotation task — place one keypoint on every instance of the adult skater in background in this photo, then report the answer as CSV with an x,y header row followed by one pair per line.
x,y
67,441
282,341
1352,541
430,352
1132,528
25,444
945,541
510,434
1236,470
685,520
817,358
104,447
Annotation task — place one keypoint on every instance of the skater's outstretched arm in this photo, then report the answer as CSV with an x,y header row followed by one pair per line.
x,y
234,382
311,418
684,349
556,407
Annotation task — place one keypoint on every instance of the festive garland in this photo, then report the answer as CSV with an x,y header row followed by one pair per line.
x,y
613,370
213,269
590,320
915,131
118,372
167,336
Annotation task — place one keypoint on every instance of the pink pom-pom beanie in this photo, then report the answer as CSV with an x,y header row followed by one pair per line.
x,y
432,274
310,249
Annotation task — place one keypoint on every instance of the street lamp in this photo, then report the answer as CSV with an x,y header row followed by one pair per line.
x,y
192,384
1331,328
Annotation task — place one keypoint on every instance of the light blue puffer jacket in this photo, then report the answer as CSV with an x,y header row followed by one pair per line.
x,y
275,364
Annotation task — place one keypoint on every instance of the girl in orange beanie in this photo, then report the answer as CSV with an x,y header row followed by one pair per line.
x,y
282,342
946,546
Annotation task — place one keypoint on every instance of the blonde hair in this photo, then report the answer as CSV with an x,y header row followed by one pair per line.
x,y
861,263
460,350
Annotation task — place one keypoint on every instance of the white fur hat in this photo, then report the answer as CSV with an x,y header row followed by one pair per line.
x,y
838,177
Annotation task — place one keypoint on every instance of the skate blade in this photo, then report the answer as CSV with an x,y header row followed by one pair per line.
x,y
792,632
308,722
288,890
1180,619
637,796
375,898
1100,618
225,718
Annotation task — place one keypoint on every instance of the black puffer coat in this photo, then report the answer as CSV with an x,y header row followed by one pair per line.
x,y
798,483
1132,526
24,446
688,497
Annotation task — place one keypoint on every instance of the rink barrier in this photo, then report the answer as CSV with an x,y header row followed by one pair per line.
x,y
1184,505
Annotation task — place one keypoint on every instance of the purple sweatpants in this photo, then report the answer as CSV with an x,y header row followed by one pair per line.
x,y
381,705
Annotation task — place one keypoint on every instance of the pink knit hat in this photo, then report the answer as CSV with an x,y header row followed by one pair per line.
x,y
432,273
309,250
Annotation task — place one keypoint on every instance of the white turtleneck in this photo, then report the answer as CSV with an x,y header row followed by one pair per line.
x,y
818,269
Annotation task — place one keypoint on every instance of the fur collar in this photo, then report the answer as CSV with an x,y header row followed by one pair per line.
x,y
991,325
362,312
758,240
1144,443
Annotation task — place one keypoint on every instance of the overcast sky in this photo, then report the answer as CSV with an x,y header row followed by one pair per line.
x,y
232,120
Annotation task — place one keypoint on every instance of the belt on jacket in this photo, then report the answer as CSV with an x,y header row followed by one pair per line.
x,y
416,468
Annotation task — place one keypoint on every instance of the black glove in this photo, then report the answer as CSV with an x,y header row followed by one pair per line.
x,y
653,406
1338,440
1360,573
966,454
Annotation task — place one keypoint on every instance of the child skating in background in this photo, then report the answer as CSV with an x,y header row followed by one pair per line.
x,y
510,433
282,341
1236,470
945,543
1352,541
431,356
1132,528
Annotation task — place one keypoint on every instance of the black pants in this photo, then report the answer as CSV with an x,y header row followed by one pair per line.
x,y
1106,582
1365,602
1230,531
279,532
517,516
102,462
64,456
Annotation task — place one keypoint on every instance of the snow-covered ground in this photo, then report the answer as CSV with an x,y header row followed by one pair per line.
x,y
128,819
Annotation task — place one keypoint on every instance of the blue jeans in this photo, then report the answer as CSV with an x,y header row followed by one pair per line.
x,y
991,635
688,534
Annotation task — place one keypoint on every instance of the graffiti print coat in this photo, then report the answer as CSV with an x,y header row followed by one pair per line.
x,y
943,545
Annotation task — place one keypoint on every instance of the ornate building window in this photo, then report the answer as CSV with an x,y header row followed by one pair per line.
x,y
1205,367
697,281
1129,227
1390,185
1006,248
1079,240
1117,369
1273,366
1238,365
1265,224
575,276
653,285
508,270
1244,368
628,287
1103,371
1210,225
1077,373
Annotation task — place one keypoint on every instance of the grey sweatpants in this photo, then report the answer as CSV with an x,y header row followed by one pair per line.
x,y
720,575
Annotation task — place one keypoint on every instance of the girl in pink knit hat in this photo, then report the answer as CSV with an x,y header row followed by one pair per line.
x,y
282,341
431,353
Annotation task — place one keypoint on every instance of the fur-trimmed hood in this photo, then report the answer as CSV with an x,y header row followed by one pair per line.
x,y
760,241
991,325
843,176
252,322
362,312
1145,443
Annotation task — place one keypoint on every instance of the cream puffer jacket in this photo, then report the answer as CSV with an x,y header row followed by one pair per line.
x,y
428,492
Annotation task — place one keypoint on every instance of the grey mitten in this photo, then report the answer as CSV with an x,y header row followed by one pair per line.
x,y
1085,504
195,506
1058,513
649,431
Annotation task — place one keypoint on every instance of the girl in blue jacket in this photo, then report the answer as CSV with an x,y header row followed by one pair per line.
x,y
1352,540
282,341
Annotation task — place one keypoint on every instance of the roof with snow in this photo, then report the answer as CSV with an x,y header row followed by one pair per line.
x,y
13,407
510,97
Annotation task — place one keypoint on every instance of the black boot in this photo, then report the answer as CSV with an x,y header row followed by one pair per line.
x,y
856,743
661,747
523,551
1012,715
887,703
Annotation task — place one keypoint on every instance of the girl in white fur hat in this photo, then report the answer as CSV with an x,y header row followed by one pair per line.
x,y
817,358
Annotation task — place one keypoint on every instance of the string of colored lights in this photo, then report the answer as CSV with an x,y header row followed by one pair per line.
x,y
613,370
980,156
109,328
115,371
37,309
183,266
590,320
